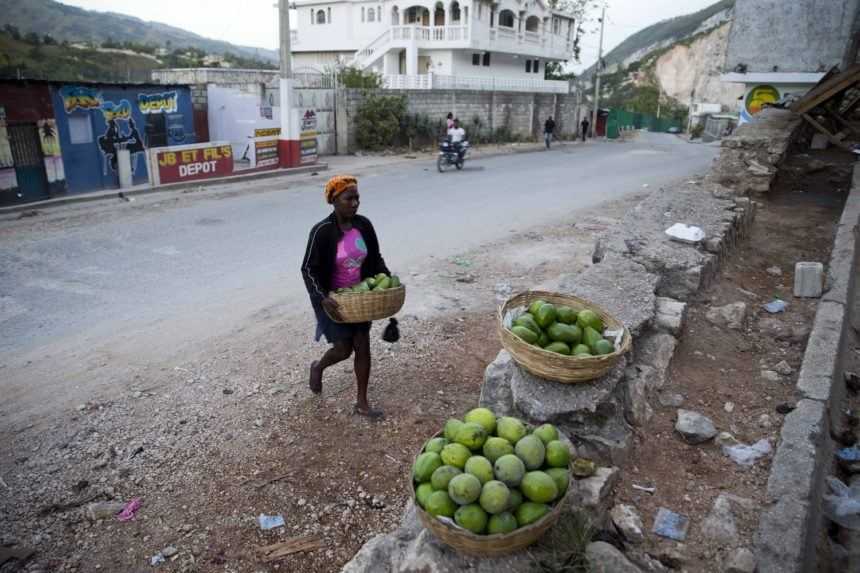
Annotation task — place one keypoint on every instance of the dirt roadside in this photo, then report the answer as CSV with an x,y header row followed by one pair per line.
x,y
211,440
735,376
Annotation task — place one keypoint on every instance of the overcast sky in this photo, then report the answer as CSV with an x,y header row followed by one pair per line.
x,y
254,22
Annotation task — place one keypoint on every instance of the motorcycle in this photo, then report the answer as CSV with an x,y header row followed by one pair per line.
x,y
452,154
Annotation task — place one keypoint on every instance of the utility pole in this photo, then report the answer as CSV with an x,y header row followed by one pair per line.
x,y
597,74
289,146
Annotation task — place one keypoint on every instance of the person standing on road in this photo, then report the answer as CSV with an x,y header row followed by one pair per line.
x,y
342,250
548,128
585,124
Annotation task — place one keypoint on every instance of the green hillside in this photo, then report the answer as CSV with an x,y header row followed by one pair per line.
x,y
77,25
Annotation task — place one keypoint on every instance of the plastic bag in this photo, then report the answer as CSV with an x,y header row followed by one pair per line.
x,y
392,332
843,506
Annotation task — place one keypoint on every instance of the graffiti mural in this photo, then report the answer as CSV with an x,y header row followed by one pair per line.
x,y
78,97
167,102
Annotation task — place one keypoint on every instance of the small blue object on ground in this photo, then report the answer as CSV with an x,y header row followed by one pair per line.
x,y
775,306
270,521
851,454
671,525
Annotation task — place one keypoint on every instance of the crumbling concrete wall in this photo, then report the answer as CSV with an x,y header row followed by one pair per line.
x,y
793,36
750,158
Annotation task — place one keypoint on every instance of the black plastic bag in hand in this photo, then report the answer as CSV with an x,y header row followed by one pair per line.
x,y
392,333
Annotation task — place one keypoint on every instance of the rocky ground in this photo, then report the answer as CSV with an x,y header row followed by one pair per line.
x,y
209,442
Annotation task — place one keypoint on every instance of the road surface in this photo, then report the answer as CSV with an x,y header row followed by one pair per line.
x,y
143,280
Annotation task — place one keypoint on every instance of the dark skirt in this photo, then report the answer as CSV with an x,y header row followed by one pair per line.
x,y
335,331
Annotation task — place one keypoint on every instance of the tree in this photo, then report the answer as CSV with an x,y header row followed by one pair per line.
x,y
49,40
356,78
32,38
555,71
12,31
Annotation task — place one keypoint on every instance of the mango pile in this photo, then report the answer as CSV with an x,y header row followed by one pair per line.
x,y
380,282
562,330
491,475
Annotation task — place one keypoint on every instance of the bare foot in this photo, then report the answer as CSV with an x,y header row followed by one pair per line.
x,y
368,412
315,380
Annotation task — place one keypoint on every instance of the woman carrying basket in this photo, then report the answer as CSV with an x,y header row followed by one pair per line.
x,y
342,251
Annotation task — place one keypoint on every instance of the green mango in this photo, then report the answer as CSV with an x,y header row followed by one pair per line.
x,y
380,276
533,307
566,333
395,281
603,346
371,281
543,339
558,348
589,318
383,284
528,321
566,315
590,337
546,315
581,350
525,334
363,286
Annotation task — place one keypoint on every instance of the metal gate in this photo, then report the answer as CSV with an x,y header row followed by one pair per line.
x,y
29,162
315,95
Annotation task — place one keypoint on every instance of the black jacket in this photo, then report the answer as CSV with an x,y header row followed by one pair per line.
x,y
319,262
549,126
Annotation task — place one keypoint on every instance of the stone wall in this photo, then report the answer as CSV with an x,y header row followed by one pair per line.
x,y
795,36
522,113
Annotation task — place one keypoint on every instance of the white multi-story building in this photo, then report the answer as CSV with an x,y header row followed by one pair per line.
x,y
422,44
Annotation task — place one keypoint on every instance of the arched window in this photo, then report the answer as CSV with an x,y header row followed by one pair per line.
x,y
371,15
506,19
439,14
362,13
455,11
395,16
328,20
532,24
320,16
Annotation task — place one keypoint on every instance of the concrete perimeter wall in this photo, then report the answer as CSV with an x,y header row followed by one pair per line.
x,y
522,113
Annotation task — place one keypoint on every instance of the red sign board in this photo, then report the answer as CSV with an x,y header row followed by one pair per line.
x,y
193,164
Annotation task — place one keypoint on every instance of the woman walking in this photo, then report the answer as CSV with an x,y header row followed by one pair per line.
x,y
342,251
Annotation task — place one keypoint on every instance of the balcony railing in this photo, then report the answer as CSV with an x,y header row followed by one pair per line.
x,y
442,82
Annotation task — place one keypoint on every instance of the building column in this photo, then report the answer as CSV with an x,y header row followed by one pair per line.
x,y
391,62
412,59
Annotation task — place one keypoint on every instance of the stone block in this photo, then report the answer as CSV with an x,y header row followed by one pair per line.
x,y
808,280
655,351
819,373
603,557
593,492
819,141
496,390
840,271
637,410
670,315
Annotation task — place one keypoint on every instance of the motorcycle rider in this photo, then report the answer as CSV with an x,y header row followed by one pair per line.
x,y
457,135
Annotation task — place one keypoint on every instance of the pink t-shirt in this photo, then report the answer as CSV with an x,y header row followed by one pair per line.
x,y
351,252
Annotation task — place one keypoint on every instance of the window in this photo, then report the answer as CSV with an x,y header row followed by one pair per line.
x,y
506,19
528,66
371,15
455,11
320,17
476,59
80,129
329,16
536,66
362,13
486,58
379,13
312,16
532,24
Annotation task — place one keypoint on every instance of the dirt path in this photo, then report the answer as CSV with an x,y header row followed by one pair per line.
x,y
719,371
211,440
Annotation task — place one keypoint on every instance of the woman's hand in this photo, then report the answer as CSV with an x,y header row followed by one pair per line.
x,y
332,308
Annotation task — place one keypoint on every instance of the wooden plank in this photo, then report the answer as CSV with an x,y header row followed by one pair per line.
x,y
821,129
294,545
827,89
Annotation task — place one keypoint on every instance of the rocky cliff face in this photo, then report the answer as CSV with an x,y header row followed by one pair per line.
x,y
693,69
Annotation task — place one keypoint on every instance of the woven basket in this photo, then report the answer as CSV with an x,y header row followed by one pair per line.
x,y
467,543
553,366
371,305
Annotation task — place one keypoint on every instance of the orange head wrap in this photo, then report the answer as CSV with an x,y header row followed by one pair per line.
x,y
337,185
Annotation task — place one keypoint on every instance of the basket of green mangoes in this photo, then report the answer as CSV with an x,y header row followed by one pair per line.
x,y
488,486
561,337
373,298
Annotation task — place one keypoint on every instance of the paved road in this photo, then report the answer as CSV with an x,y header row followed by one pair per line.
x,y
169,274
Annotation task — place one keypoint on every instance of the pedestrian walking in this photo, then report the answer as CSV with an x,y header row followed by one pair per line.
x,y
548,129
342,250
585,124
